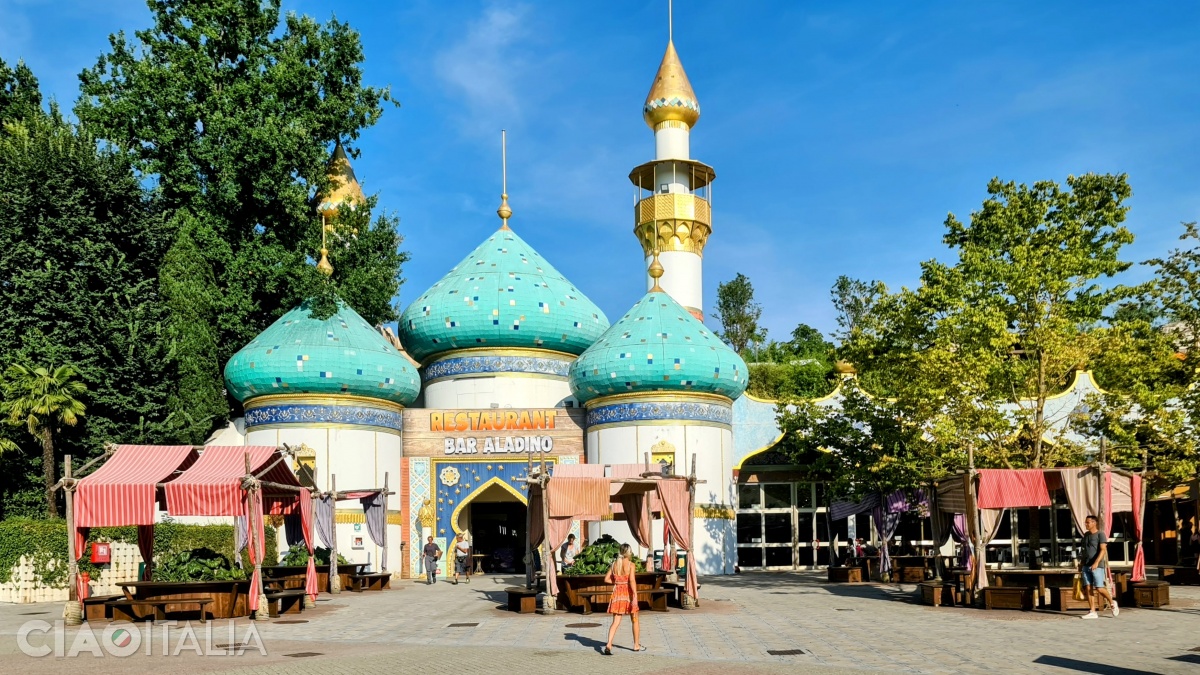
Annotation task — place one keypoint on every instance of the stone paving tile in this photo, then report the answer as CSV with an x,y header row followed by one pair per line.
x,y
407,630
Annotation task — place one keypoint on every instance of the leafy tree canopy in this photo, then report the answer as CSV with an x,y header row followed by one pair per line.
x,y
738,313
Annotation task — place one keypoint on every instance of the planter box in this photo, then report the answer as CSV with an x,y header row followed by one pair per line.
x,y
845,574
1008,597
938,593
1062,599
1151,593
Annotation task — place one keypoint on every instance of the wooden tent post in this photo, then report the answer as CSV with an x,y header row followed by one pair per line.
x,y
695,602
382,568
549,604
74,612
335,581
251,537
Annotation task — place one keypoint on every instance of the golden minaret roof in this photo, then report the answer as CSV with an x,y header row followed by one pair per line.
x,y
671,97
343,184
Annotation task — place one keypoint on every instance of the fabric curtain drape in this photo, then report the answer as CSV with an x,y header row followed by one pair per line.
x,y
324,520
1011,488
375,511
1139,558
292,529
842,509
76,544
989,525
951,497
677,511
257,549
940,523
1082,487
559,529
145,540
637,515
886,523
574,497
240,527
958,530
306,527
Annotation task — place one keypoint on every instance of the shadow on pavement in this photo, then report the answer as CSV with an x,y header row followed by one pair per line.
x,y
586,641
1088,666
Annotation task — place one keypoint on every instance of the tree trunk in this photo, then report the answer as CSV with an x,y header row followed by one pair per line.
x,y
48,472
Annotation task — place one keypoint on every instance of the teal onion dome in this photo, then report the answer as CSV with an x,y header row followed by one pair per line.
x,y
502,295
341,355
658,346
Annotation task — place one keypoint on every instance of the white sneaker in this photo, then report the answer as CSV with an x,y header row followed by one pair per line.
x,y
1116,610
1090,615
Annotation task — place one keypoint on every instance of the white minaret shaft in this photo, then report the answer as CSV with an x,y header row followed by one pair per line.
x,y
673,217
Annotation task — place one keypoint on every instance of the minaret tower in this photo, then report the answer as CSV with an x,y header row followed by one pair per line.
x,y
672,212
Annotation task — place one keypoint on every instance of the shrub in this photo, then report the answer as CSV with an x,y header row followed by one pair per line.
x,y
297,556
202,564
597,557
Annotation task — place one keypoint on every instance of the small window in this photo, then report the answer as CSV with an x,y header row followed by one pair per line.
x,y
664,188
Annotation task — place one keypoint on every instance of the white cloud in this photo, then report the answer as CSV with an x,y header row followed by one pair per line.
x,y
485,65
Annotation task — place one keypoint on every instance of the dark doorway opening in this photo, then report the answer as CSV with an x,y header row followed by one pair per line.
x,y
498,533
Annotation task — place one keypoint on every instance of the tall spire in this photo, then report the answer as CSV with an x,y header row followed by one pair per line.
x,y
504,211
343,183
671,98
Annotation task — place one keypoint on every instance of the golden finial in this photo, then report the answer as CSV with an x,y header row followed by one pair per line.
x,y
343,183
655,271
671,98
504,211
323,265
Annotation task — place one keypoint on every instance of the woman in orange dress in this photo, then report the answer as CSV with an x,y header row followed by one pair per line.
x,y
624,598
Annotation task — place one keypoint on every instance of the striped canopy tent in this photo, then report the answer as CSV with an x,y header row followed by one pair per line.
x,y
250,481
628,492
126,490
1098,491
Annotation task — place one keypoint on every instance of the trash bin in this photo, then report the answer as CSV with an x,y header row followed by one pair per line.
x,y
681,564
658,559
141,571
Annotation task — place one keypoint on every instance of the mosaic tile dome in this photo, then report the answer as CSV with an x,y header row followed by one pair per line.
x,y
658,346
343,354
504,294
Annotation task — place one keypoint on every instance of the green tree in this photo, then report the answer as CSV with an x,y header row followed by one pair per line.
x,y
20,95
738,314
43,401
232,109
81,243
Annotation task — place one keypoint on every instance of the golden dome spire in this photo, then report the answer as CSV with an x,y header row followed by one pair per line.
x,y
655,271
323,265
504,211
343,184
671,98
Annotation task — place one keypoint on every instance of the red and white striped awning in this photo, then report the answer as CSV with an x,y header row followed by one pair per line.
x,y
1012,488
213,485
123,490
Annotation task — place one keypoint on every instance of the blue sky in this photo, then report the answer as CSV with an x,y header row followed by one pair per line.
x,y
842,133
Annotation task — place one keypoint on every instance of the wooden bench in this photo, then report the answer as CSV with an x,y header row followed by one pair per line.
x,y
677,590
655,598
522,600
94,608
1008,597
1062,599
845,574
370,582
124,609
909,575
938,593
290,601
1151,593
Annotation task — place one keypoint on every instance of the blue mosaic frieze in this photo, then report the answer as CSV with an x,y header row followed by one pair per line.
x,y
642,411
476,365
309,413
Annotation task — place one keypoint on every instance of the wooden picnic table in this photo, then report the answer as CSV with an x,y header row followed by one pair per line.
x,y
293,575
229,599
1057,576
581,591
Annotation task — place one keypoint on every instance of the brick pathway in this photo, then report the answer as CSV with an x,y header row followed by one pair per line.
x,y
841,628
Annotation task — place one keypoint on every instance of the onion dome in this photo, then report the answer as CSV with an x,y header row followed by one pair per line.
x,y
341,355
502,295
343,184
658,346
671,97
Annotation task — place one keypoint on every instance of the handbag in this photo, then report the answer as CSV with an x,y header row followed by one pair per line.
x,y
1077,588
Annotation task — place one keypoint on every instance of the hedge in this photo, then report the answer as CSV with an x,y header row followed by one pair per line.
x,y
45,542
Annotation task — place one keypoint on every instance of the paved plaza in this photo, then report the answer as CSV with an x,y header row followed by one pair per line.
x,y
742,620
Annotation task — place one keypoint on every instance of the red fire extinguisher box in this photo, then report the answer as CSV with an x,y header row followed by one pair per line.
x,y
101,552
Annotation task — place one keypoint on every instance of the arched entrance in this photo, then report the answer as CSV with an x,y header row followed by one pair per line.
x,y
494,515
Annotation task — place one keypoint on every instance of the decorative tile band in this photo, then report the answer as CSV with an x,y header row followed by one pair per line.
x,y
477,365
306,413
638,411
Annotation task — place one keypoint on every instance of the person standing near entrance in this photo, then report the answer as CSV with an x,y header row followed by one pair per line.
x,y
567,552
1094,567
431,554
462,558
624,598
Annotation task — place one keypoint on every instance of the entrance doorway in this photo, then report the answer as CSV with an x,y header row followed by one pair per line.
x,y
495,519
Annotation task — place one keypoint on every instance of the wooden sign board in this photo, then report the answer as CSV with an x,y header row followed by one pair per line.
x,y
493,432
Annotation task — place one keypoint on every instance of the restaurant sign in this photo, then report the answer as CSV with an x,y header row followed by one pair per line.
x,y
494,431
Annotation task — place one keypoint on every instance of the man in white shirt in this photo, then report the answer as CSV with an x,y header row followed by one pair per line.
x,y
567,552
462,558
